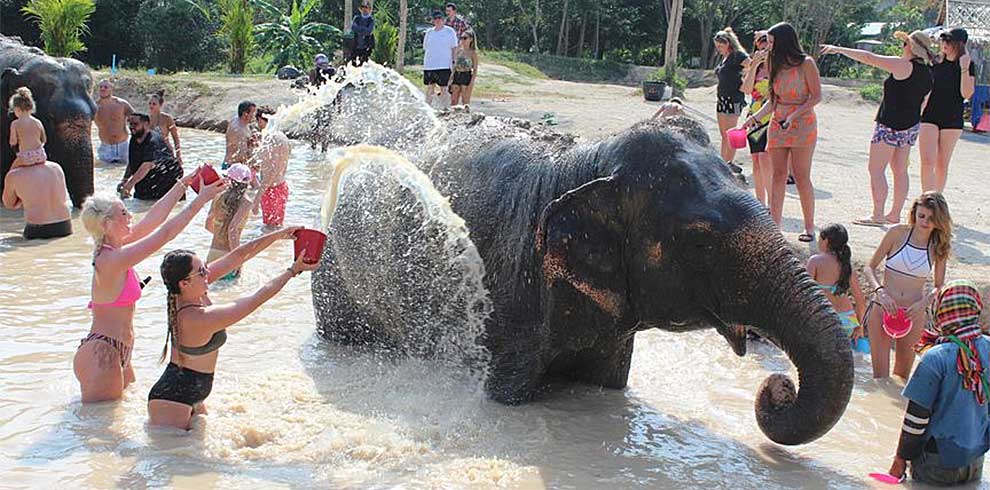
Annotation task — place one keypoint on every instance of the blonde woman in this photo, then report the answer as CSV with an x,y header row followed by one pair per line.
x,y
465,70
910,254
898,122
102,363
163,123
731,100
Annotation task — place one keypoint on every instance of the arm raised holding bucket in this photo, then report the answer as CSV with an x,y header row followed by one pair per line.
x,y
237,257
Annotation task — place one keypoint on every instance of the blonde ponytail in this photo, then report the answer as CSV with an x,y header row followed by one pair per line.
x,y
96,210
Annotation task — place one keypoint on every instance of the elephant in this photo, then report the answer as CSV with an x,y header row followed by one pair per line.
x,y
585,244
61,89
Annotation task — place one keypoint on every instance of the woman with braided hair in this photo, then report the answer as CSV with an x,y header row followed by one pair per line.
x,y
946,428
197,327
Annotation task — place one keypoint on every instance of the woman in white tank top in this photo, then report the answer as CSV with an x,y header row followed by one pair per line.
x,y
909,254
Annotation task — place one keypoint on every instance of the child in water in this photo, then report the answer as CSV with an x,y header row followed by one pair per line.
x,y
228,215
27,133
831,268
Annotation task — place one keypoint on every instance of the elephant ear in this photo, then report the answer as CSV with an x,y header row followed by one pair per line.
x,y
579,244
8,83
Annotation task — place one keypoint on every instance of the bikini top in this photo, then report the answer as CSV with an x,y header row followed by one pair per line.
x,y
832,288
129,294
216,341
910,260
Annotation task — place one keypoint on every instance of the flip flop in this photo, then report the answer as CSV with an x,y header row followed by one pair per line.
x,y
870,222
806,237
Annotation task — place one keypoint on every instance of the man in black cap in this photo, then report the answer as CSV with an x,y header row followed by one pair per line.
x,y
438,59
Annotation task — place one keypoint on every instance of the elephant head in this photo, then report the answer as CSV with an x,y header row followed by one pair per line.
x,y
61,88
667,240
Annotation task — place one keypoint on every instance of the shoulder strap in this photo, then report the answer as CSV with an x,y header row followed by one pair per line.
x,y
187,306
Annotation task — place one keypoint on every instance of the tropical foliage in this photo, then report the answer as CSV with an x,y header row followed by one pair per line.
x,y
62,23
237,28
291,37
386,35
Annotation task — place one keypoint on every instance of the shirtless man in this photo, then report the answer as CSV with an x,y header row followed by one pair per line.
x,y
272,158
239,137
40,189
111,120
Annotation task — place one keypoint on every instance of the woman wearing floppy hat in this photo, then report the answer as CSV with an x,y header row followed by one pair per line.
x,y
228,215
946,430
898,121
953,81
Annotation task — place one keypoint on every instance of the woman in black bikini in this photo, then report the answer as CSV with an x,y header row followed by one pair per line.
x,y
197,327
953,81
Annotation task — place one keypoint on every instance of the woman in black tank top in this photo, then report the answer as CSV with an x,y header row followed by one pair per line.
x,y
898,119
953,81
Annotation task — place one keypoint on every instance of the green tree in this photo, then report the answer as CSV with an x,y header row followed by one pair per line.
x,y
386,35
290,38
62,23
237,27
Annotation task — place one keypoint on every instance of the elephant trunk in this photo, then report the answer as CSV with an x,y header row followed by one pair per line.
x,y
788,309
70,146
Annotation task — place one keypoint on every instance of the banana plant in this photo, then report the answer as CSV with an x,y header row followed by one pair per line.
x,y
290,38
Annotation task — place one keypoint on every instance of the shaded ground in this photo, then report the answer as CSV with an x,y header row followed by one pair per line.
x,y
596,110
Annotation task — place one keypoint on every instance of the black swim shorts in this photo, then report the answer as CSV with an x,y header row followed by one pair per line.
x,y
439,77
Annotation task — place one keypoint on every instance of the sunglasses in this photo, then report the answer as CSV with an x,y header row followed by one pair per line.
x,y
202,272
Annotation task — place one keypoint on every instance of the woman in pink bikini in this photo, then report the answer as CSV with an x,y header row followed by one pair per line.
x,y
909,253
102,363
795,89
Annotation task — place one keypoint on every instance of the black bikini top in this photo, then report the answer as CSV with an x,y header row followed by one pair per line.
x,y
216,341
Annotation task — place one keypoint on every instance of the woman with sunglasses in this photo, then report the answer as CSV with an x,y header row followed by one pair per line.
x,y
197,328
163,123
757,84
898,122
102,363
465,70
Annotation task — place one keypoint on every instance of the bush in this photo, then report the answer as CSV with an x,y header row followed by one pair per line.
x,y
193,47
386,36
113,31
62,23
620,55
649,56
872,92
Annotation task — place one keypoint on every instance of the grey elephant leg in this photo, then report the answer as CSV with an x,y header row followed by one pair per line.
x,y
608,367
514,377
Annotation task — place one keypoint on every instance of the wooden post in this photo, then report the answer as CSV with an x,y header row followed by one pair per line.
x,y
673,35
400,49
348,14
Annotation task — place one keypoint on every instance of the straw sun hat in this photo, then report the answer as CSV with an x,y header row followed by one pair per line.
x,y
920,44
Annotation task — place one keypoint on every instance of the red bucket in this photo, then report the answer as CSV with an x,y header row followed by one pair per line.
x,y
312,242
737,138
898,324
207,173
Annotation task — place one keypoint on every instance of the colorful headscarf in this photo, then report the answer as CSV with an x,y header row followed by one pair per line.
x,y
956,318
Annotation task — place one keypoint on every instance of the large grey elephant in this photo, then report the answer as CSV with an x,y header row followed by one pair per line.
x,y
586,244
61,89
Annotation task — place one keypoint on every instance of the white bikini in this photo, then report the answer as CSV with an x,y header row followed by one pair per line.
x,y
910,260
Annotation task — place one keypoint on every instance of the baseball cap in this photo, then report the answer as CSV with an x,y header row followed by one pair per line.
x,y
437,14
957,34
321,59
239,172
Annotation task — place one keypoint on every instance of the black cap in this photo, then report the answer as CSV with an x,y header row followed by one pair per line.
x,y
438,14
957,34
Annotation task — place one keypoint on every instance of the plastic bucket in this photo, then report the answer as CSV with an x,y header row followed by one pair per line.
x,y
207,173
653,91
737,138
898,324
312,242
861,345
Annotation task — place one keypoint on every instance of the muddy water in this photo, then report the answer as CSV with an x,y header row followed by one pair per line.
x,y
289,411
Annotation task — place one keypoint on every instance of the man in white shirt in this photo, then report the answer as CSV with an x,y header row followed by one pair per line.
x,y
438,45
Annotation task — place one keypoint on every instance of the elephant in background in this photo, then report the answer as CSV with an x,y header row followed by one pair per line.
x,y
61,89
586,244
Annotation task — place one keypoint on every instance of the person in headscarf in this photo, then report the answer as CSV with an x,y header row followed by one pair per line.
x,y
946,428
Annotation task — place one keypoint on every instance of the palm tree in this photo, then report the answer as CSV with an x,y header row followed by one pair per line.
x,y
237,25
62,22
291,39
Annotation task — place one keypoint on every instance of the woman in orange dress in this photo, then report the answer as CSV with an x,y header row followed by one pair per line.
x,y
795,89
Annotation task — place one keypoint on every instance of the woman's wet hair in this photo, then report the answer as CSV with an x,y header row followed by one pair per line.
x,y
786,51
175,268
941,238
158,96
229,200
838,245
22,99
97,209
728,36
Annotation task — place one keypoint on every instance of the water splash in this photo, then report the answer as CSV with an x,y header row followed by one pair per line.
x,y
402,260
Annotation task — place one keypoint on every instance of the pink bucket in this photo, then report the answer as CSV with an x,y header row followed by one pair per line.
x,y
898,324
737,138
209,176
312,242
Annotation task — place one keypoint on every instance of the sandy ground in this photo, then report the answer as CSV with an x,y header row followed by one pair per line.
x,y
596,110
